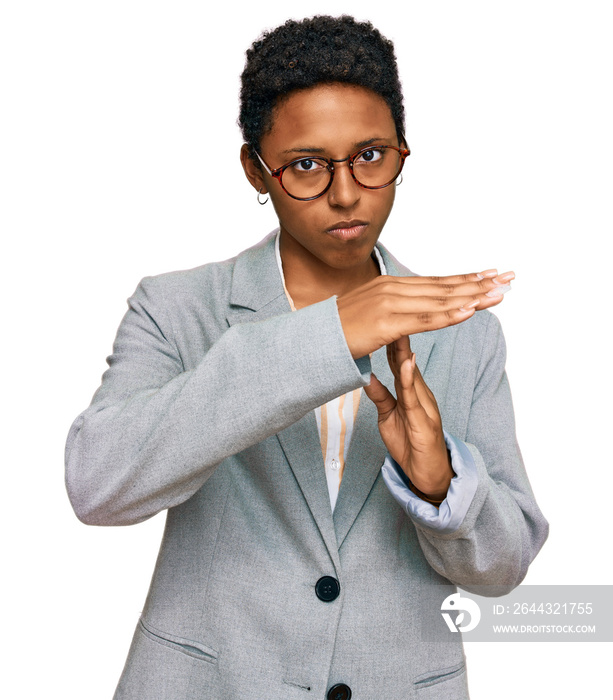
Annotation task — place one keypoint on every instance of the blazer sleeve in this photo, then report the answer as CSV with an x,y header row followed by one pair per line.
x,y
503,529
155,432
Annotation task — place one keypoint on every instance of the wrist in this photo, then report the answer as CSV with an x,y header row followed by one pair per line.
x,y
434,500
433,486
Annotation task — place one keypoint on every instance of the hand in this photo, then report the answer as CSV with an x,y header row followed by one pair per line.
x,y
387,308
410,425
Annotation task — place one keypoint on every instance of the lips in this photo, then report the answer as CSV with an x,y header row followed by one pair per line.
x,y
347,230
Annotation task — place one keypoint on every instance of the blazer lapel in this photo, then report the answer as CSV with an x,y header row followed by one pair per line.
x,y
257,293
302,448
367,450
257,290
364,457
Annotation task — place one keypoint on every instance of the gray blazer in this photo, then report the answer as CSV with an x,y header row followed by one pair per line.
x,y
206,410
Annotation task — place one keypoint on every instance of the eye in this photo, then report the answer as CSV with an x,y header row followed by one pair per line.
x,y
372,155
308,165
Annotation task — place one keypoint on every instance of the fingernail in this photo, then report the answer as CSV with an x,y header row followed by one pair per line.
x,y
487,273
498,291
503,279
471,305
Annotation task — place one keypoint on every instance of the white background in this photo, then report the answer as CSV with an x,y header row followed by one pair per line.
x,y
119,159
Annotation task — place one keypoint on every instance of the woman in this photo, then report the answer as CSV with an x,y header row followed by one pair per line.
x,y
307,524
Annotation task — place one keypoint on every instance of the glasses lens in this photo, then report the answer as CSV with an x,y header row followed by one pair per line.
x,y
372,167
306,178
377,167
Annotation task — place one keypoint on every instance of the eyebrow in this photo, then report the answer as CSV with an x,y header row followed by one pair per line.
x,y
358,145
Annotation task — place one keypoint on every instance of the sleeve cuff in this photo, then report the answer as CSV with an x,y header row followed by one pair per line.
x,y
364,367
448,517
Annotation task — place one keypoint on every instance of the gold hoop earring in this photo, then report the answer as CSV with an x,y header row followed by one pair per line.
x,y
267,198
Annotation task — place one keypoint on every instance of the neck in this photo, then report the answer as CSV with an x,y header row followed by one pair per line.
x,y
309,280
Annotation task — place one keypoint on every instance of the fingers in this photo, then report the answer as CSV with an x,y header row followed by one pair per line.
x,y
408,396
397,353
413,392
415,295
446,293
425,395
484,279
381,397
387,308
408,324
410,379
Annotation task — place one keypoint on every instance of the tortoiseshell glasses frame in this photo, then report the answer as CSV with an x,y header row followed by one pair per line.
x,y
277,173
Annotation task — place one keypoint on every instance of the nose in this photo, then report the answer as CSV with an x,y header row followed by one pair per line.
x,y
344,191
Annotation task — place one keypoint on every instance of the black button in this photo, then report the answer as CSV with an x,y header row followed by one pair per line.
x,y
327,589
340,691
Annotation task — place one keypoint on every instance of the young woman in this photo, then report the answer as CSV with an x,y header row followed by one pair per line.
x,y
307,523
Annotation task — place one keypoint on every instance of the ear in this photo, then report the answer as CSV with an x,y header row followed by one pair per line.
x,y
252,172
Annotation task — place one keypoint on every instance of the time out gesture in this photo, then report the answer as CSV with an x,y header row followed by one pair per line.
x,y
386,311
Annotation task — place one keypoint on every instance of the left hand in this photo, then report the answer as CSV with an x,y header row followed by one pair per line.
x,y
411,425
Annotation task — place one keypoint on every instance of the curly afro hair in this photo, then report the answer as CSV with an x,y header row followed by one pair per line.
x,y
302,54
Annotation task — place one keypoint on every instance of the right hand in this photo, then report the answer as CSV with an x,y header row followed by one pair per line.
x,y
387,308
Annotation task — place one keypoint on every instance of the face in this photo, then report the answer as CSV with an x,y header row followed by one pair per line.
x,y
340,228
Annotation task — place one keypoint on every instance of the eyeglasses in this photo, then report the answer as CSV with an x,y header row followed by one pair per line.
x,y
373,168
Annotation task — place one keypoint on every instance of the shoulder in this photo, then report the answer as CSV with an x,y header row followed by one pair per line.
x,y
211,281
197,282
